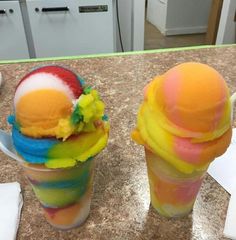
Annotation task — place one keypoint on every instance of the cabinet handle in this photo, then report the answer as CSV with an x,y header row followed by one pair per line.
x,y
54,9
2,11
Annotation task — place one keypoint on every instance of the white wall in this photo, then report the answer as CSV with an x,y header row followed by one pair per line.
x,y
227,27
179,16
187,16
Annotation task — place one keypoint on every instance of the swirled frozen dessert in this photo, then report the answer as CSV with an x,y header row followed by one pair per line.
x,y
184,124
58,127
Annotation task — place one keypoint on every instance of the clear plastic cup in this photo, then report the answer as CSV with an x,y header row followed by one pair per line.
x,y
65,193
173,193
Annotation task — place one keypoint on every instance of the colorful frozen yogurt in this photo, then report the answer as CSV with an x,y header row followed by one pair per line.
x,y
184,124
59,125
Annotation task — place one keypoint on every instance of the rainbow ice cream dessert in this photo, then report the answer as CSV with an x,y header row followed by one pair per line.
x,y
58,127
184,124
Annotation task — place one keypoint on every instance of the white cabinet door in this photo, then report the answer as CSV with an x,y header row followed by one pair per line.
x,y
71,27
157,14
13,44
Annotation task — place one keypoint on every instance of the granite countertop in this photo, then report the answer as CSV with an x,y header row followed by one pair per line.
x,y
121,205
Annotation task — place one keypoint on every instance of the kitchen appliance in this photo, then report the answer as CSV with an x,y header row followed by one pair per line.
x,y
13,44
66,28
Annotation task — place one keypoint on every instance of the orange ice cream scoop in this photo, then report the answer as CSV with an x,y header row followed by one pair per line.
x,y
44,97
191,100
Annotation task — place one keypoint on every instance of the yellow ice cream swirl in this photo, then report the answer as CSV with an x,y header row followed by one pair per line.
x,y
88,110
185,117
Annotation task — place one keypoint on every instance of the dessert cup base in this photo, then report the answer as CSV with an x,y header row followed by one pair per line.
x,y
162,213
172,192
66,228
78,221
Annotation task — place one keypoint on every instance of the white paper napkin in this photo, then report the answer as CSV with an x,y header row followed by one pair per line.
x,y
230,223
10,208
223,170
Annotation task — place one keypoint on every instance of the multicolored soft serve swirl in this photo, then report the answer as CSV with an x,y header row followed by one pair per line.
x,y
185,116
58,120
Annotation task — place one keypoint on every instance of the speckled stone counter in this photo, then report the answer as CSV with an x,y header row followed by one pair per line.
x,y
121,205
